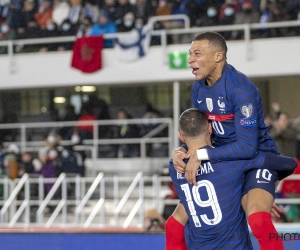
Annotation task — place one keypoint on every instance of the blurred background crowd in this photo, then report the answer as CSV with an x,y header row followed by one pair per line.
x,y
25,19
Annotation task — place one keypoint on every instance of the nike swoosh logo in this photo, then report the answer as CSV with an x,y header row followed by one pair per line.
x,y
262,182
199,101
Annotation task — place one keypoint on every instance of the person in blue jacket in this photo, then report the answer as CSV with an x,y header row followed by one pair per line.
x,y
104,26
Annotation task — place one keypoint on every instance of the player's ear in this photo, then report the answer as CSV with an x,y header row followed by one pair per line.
x,y
219,57
210,128
181,137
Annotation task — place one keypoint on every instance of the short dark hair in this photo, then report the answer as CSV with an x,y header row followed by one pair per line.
x,y
214,38
193,123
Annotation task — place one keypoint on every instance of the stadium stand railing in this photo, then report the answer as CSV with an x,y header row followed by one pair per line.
x,y
75,201
89,202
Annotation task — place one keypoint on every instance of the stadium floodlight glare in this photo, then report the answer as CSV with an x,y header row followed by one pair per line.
x,y
77,88
88,88
59,99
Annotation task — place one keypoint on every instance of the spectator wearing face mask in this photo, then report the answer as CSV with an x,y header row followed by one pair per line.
x,y
66,29
228,8
50,30
210,18
44,13
6,33
227,16
70,162
139,23
60,12
247,15
127,23
123,7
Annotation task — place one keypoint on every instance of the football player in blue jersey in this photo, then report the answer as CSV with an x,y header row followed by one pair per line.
x,y
216,219
233,105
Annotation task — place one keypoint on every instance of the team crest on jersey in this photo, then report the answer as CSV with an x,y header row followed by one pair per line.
x,y
209,104
221,105
247,110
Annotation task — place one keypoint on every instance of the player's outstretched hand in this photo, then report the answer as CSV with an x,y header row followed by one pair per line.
x,y
192,168
276,211
178,155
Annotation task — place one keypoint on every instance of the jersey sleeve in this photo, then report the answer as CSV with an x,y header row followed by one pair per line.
x,y
246,107
279,163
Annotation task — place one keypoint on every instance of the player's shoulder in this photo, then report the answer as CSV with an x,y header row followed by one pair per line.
x,y
236,78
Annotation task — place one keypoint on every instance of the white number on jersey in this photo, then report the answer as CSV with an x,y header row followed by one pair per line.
x,y
264,173
194,198
218,128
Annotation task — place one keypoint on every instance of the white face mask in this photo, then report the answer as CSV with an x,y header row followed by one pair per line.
x,y
4,28
139,26
228,11
50,27
65,154
66,26
211,12
128,23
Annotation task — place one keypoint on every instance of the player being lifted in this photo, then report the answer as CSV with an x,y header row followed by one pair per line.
x,y
216,219
233,105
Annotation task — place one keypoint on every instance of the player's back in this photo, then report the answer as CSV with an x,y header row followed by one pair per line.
x,y
216,218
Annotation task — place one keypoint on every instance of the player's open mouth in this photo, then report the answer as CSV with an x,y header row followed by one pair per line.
x,y
194,70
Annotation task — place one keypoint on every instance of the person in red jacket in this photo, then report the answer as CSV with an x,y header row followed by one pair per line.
x,y
86,114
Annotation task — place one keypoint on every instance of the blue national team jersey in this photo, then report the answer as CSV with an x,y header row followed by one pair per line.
x,y
216,218
234,107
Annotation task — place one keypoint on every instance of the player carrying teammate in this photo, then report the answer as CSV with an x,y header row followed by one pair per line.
x,y
234,107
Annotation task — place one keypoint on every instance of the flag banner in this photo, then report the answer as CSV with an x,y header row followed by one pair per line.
x,y
87,54
132,45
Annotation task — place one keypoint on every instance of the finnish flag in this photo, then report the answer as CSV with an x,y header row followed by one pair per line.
x,y
132,45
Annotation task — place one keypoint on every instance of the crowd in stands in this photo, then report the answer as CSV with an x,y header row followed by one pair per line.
x,y
49,162
286,134
53,158
22,19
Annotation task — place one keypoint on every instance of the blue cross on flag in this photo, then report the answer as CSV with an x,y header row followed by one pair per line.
x,y
132,45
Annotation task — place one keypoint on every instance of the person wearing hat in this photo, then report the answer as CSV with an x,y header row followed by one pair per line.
x,y
104,26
